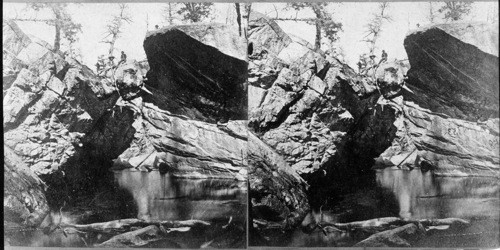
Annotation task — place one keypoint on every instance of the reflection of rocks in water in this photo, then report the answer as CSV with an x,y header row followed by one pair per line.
x,y
165,197
421,195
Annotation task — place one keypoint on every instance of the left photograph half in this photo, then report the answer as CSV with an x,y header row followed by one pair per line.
x,y
125,125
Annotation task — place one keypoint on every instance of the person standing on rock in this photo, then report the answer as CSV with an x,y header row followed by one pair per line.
x,y
111,63
123,58
384,57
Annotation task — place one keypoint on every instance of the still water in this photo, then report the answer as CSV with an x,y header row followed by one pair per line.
x,y
416,195
159,197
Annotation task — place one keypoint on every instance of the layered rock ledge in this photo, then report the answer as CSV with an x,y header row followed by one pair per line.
x,y
69,126
331,125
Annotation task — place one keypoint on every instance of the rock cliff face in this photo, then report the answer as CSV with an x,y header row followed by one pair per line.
x,y
202,69
301,106
278,200
67,125
170,128
449,122
331,125
454,70
24,200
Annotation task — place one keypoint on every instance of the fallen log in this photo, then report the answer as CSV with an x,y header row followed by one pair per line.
x,y
377,225
398,237
124,225
134,238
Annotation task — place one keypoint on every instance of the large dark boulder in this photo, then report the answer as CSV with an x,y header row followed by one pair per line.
x,y
201,69
447,120
454,70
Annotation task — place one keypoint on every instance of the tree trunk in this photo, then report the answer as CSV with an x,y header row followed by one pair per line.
x,y
238,17
57,40
170,20
57,25
317,41
248,8
112,45
319,17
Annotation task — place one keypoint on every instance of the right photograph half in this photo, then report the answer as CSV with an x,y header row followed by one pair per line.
x,y
373,124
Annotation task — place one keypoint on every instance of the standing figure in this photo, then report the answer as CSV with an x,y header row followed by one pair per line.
x,y
123,58
111,63
384,57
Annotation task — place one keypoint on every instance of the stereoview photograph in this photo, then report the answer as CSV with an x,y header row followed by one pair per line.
x,y
374,124
125,125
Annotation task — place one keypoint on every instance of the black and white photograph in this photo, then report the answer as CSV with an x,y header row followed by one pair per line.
x,y
373,124
124,125
253,124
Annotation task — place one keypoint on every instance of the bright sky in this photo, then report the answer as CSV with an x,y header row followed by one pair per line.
x,y
353,15
94,16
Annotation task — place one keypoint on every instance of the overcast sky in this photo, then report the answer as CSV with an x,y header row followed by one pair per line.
x,y
353,15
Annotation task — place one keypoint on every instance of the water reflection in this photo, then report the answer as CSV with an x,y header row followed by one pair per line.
x,y
422,195
164,197
416,195
222,202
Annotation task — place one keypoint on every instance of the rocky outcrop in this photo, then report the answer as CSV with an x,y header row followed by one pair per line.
x,y
331,125
448,120
50,106
177,135
454,70
24,199
278,198
201,69
301,104
67,125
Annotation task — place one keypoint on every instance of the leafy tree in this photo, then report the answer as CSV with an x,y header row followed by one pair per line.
x,y
454,11
64,25
114,27
194,12
374,27
323,21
